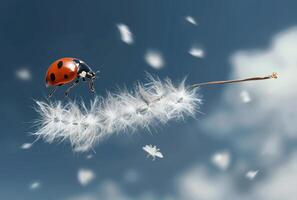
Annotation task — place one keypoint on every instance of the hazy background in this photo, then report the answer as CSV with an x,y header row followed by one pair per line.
x,y
243,128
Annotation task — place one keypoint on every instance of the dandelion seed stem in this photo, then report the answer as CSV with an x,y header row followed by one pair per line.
x,y
272,76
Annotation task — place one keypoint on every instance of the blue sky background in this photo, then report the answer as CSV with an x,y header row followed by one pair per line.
x,y
35,33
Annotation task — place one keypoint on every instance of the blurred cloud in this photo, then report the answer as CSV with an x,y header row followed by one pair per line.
x,y
154,59
108,190
83,197
126,34
23,74
85,176
266,127
131,176
272,115
198,183
281,184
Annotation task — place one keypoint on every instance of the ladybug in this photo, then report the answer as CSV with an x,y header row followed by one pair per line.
x,y
69,71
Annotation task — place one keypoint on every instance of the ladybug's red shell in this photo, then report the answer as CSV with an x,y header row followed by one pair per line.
x,y
61,71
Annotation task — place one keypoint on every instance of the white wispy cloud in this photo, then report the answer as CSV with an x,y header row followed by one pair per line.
x,y
131,176
108,190
272,111
280,182
198,183
269,121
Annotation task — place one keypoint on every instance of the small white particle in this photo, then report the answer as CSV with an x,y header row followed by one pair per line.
x,y
251,174
152,151
191,20
23,74
85,176
126,35
26,146
90,156
221,160
154,59
245,96
197,52
35,185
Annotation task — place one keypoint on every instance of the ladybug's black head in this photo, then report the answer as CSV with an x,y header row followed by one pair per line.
x,y
91,75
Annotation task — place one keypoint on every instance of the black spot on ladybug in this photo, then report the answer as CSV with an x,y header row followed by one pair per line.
x,y
66,76
53,77
60,64
60,84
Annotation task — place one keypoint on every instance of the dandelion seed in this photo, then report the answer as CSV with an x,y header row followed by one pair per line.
x,y
85,176
152,151
154,59
119,112
126,35
221,160
251,174
26,146
35,185
197,52
191,20
23,74
147,105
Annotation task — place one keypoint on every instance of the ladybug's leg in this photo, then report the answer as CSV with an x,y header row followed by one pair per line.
x,y
52,92
71,86
91,86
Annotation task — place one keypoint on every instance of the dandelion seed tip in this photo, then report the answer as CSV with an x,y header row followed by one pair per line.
x,y
274,75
